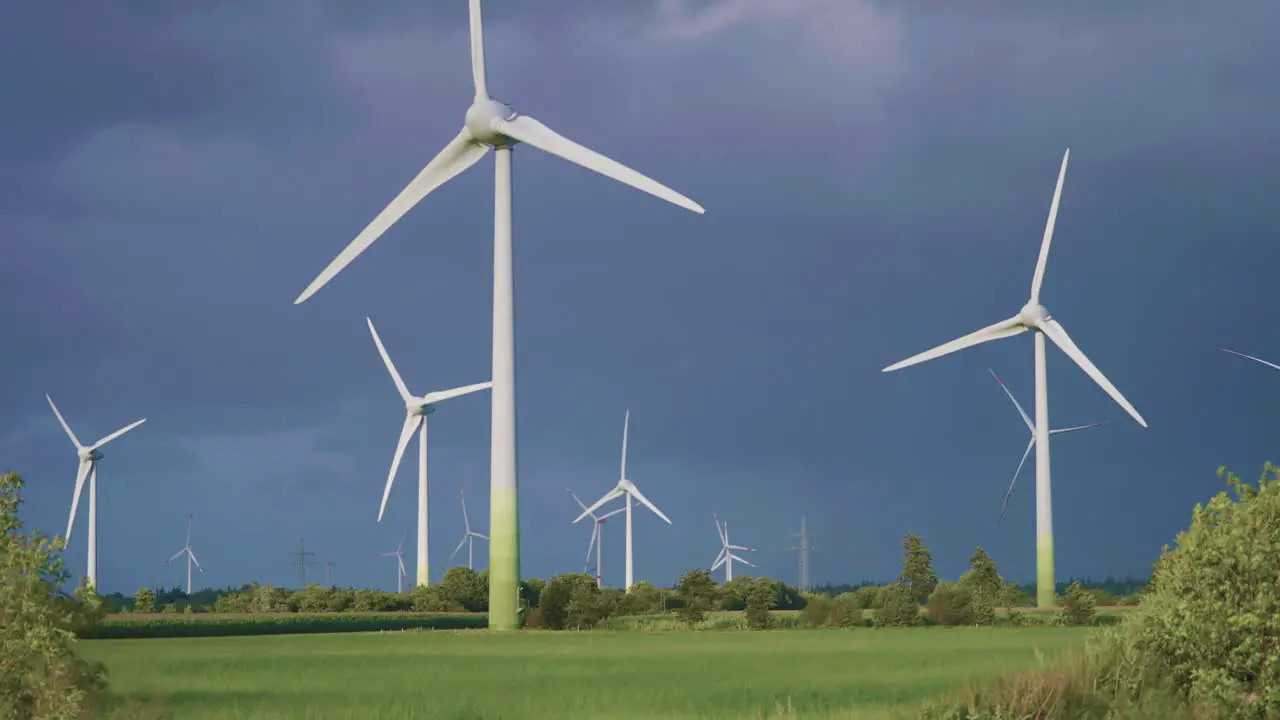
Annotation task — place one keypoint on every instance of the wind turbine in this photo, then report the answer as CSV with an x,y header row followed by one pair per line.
x,y
1034,317
416,411
726,556
401,573
469,536
191,557
1032,443
493,124
597,538
89,457
1250,357
627,488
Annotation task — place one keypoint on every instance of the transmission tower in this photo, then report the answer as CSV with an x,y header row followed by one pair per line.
x,y
303,562
328,573
804,548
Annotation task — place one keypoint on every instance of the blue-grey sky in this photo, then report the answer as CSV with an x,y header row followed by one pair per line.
x,y
876,178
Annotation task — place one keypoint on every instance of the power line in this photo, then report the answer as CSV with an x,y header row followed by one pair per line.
x,y
303,562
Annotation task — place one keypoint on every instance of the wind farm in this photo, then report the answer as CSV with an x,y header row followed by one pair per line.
x,y
872,178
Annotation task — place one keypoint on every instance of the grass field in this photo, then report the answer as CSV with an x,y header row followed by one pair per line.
x,y
620,675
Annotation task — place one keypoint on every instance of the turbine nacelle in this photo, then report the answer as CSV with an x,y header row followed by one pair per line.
x,y
1032,314
419,407
480,120
89,454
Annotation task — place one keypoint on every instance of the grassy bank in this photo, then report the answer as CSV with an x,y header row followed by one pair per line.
x,y
167,625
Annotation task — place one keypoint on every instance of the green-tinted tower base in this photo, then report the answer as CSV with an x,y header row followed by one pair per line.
x,y
1046,587
504,560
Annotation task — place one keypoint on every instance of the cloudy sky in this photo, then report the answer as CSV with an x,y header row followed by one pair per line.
x,y
876,178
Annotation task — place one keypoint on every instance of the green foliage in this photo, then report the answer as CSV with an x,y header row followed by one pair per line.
x,y
532,590
762,597
917,568
465,588
40,674
987,590
696,591
1078,606
848,610
571,600
642,599
896,607
951,604
866,596
818,610
210,625
144,601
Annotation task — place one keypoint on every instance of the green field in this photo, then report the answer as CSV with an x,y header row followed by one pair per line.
x,y
596,674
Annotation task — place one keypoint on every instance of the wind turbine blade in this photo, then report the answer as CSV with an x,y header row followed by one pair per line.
x,y
460,545
116,434
391,367
719,531
441,396
477,52
739,547
719,560
188,529
616,492
400,547
611,513
461,153
595,534
1003,329
531,132
1038,279
626,425
466,522
1233,352
406,434
192,553
400,563
744,562
1030,425
1078,427
635,493
81,474
1004,504
575,499
1058,334
176,555
480,535
64,424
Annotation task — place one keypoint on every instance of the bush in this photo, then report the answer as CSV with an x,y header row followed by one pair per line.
x,y
696,591
761,598
866,596
897,607
144,601
40,674
819,611
949,604
1078,606
569,600
848,610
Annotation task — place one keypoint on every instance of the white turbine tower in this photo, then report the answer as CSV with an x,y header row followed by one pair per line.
x,y
416,411
627,488
597,538
89,457
191,557
492,124
1032,443
726,556
401,573
469,535
1034,317
1250,357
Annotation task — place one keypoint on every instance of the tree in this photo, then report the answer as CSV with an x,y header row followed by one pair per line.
x,y
762,597
951,604
1078,606
144,601
985,587
563,604
40,674
696,591
465,588
896,606
917,568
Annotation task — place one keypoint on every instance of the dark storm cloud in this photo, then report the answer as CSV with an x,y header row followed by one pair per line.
x,y
876,179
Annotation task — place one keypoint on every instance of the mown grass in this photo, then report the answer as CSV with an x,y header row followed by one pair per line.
x,y
860,673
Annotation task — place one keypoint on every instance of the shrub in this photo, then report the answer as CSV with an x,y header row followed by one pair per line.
x,y
819,611
761,598
40,674
559,607
465,588
1078,606
696,591
866,596
848,610
898,607
949,604
144,601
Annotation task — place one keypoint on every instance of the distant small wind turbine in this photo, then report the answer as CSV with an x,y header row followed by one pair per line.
x,y
89,457
191,556
596,538
1035,318
401,573
1250,357
1032,443
726,556
469,535
416,411
625,488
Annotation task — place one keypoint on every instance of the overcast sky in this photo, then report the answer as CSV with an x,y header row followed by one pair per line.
x,y
876,178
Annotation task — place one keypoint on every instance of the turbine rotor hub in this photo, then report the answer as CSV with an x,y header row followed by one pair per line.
x,y
87,454
1032,314
479,121
417,407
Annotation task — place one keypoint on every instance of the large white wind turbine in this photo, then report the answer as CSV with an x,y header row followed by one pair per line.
x,y
191,557
492,124
89,457
401,573
468,535
1250,357
627,488
1034,317
1032,443
726,556
416,411
597,538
